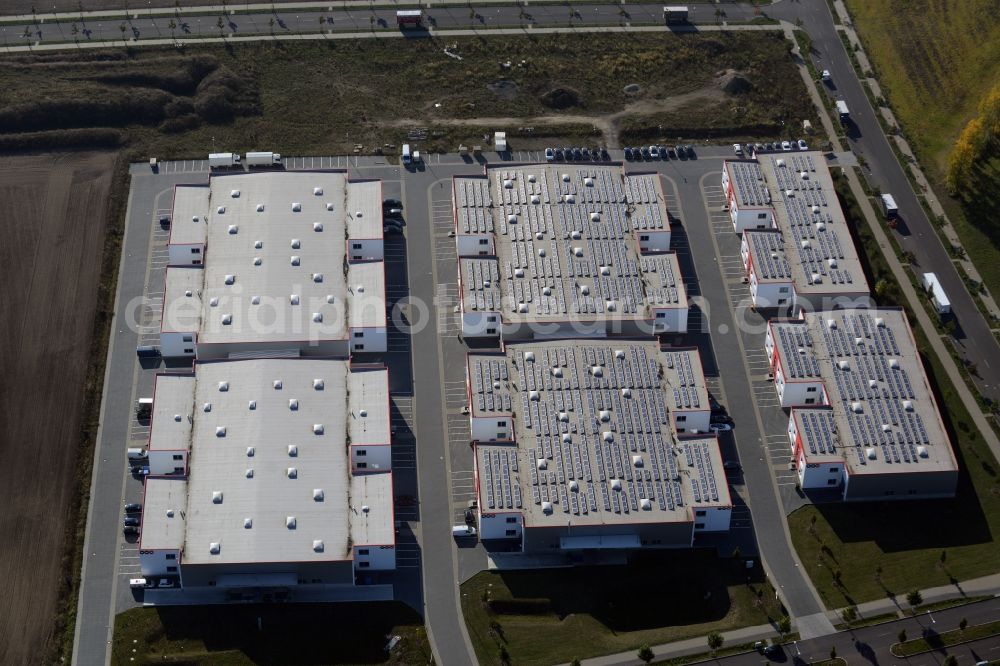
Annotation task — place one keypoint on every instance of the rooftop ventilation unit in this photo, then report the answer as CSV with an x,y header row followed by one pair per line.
x,y
804,175
508,183
296,260
220,431
595,217
597,371
626,393
318,545
557,372
547,291
318,495
260,208
318,191
519,273
250,451
317,277
584,289
258,244
541,252
296,207
233,229
637,461
247,523
330,298
318,428
522,307
565,177
564,417
277,384
223,386
908,405
216,497
870,453
535,199
856,407
831,323
567,438
605,415
214,548
541,463
220,210
249,472
619,353
589,182
363,413
578,251
616,484
605,270
317,317
610,306
292,473
293,299
317,226
608,436
922,451
255,300
252,405
529,356
293,404
569,198
575,234
207,407
214,301
893,363
539,236
318,384
234,194
512,219
230,279
257,261
574,486
329,206
296,243
531,178
646,504
290,522
546,507
534,395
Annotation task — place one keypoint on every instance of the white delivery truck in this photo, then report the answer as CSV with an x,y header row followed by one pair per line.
x,y
407,156
843,111
889,207
674,14
934,289
223,160
500,142
263,159
410,19
136,453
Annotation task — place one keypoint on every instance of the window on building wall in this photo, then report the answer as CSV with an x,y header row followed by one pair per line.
x,y
178,470
355,257
782,301
171,556
359,347
831,482
761,216
501,424
699,526
681,418
171,569
834,470
362,551
362,452
355,246
359,334
501,435
188,351
491,331
511,519
484,241
178,456
782,290
196,250
187,338
643,238
491,319
364,565
811,389
362,465
511,533
661,315
196,262
700,512
810,401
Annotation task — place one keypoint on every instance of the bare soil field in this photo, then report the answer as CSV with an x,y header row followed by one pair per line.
x,y
54,211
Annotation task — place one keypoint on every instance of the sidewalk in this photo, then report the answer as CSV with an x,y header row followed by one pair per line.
x,y
977,587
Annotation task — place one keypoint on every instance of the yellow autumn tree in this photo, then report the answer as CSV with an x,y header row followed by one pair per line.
x,y
968,149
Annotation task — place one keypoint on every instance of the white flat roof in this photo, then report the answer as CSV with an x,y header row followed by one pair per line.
x,y
572,248
884,414
173,412
189,217
164,507
274,265
269,443
182,303
599,448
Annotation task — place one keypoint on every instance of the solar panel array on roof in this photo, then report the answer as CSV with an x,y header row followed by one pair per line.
x,y
808,224
565,240
870,388
796,348
589,445
769,258
663,277
748,184
818,431
481,283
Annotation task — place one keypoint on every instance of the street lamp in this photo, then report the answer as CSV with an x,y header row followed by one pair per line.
x,y
933,621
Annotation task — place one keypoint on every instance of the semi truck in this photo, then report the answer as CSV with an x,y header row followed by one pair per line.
x,y
263,159
223,160
939,299
843,111
409,19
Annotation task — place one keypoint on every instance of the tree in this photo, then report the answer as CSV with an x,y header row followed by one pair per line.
x,y
882,289
950,660
901,635
122,28
503,654
962,624
173,26
914,599
220,24
833,652
715,641
73,30
270,23
850,614
645,653
575,662
737,553
784,625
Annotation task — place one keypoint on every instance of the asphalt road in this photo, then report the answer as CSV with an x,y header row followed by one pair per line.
x,y
357,19
975,340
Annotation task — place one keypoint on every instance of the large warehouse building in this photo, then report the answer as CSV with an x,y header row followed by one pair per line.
x,y
550,251
594,444
863,417
275,263
796,248
271,476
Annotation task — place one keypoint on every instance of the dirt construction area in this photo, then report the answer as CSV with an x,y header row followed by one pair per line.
x,y
54,210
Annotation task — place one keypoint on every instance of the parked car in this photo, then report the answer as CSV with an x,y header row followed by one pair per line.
x,y
628,153
803,145
604,154
550,155
585,152
721,418
786,145
559,155
720,427
130,530
131,521
654,152
147,351
133,508
392,203
165,582
460,531
826,76
392,229
671,152
758,148
768,146
568,152
732,465
689,151
164,220
664,154
644,151
577,154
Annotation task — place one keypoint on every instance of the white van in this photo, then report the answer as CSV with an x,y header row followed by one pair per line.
x,y
459,531
137,454
136,582
407,156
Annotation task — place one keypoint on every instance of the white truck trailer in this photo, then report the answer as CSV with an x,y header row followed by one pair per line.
x,y
843,111
934,289
223,160
263,159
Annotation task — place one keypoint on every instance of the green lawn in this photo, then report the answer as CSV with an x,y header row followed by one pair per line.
x,y
905,540
935,59
938,641
555,615
288,634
